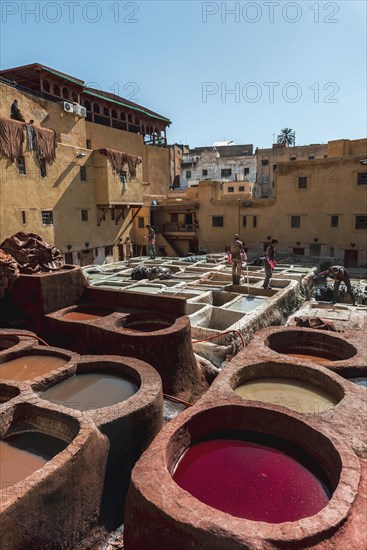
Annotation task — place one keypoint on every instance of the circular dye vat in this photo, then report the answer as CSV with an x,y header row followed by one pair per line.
x,y
251,480
87,314
145,324
28,367
91,391
23,453
309,344
361,381
8,342
287,392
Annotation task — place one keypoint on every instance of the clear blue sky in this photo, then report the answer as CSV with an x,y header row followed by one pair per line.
x,y
299,64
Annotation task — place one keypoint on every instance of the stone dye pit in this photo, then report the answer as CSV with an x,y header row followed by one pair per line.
x,y
24,452
158,508
84,391
288,392
28,367
52,450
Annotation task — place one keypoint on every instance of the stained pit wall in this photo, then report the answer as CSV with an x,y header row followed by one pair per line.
x,y
85,485
58,504
16,339
33,296
158,511
131,329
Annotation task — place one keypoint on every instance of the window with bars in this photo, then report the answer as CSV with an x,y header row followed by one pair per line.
x,y
188,174
84,215
205,172
226,172
47,217
217,221
302,182
362,178
254,221
296,221
361,222
241,188
244,221
141,222
230,189
334,222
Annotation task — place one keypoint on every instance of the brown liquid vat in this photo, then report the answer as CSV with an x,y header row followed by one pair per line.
x,y
87,312
129,425
159,511
28,509
43,363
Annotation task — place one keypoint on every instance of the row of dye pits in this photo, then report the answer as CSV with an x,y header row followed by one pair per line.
x,y
194,282
56,376
88,388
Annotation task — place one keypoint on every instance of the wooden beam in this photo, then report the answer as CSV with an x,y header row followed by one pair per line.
x,y
119,216
104,210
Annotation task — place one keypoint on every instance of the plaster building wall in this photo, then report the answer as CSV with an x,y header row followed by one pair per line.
x,y
78,184
319,209
267,161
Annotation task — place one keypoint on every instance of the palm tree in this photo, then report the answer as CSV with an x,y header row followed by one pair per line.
x,y
287,136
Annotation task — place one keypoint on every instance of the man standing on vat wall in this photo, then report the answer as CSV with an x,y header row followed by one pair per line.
x,y
270,263
237,256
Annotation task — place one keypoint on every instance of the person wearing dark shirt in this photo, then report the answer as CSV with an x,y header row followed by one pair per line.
x,y
339,274
270,263
15,113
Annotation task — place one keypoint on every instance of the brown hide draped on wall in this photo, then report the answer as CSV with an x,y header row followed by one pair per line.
x,y
11,138
9,272
118,159
45,144
32,253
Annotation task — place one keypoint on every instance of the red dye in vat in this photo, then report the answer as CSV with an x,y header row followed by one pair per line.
x,y
250,481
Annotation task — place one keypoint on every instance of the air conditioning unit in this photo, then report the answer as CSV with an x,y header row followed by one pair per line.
x,y
68,107
79,110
